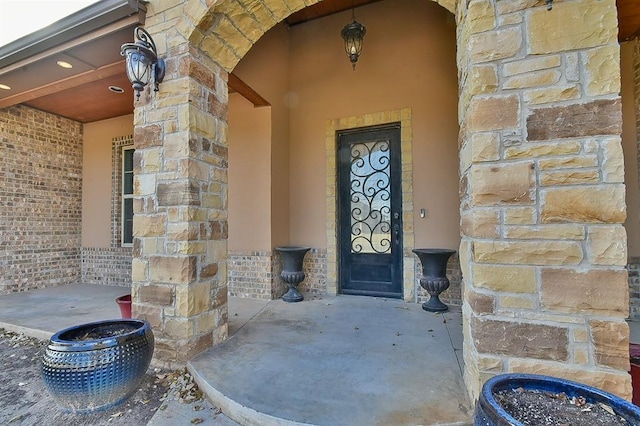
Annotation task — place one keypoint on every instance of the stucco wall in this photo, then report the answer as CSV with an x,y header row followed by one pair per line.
x,y
630,147
408,61
40,199
97,178
249,175
266,68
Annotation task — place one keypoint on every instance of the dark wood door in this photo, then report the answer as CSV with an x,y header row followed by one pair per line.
x,y
370,211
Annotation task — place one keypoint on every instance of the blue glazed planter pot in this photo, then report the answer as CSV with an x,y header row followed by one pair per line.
x,y
90,375
489,412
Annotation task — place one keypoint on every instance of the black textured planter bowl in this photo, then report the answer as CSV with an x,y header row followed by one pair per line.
x,y
97,365
489,412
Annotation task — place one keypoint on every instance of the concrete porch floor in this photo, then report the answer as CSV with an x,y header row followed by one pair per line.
x,y
329,360
326,361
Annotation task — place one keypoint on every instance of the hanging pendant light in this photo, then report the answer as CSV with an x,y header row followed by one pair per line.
x,y
353,35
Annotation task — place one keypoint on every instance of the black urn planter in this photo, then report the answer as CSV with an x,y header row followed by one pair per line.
x,y
489,412
292,273
97,365
434,276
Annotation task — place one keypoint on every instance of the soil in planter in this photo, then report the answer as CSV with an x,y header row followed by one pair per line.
x,y
100,332
541,408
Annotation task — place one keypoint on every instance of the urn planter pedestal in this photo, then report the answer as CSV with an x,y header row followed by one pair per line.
x,y
292,273
434,275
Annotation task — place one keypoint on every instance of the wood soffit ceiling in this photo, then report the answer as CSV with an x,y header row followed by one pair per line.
x,y
82,93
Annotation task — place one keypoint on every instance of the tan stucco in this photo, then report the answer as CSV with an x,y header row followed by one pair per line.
x,y
272,53
249,175
97,178
395,71
630,147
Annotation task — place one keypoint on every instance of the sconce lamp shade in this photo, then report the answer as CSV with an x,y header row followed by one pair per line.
x,y
353,35
142,62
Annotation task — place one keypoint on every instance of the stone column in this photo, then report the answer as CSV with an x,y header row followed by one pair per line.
x,y
542,194
180,204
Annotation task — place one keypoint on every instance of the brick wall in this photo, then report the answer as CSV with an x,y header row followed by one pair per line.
x,y
634,288
250,274
108,266
40,199
256,274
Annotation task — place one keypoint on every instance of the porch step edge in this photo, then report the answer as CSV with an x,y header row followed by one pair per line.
x,y
31,332
235,411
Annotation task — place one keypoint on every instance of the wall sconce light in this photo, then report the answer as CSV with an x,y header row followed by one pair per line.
x,y
549,4
142,61
353,35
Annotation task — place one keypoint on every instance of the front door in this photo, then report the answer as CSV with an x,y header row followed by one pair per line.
x,y
370,211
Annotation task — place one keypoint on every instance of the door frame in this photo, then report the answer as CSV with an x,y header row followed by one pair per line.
x,y
404,116
347,262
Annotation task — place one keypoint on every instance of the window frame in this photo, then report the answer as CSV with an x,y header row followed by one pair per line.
x,y
124,196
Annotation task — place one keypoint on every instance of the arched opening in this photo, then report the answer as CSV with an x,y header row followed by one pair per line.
x,y
513,254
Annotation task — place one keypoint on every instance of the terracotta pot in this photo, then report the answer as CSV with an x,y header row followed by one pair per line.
x,y
124,303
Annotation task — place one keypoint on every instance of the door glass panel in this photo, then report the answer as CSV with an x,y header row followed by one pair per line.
x,y
370,197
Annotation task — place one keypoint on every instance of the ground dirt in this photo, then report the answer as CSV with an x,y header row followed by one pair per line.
x,y
25,401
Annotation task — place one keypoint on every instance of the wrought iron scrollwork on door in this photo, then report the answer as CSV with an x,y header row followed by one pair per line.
x,y
370,197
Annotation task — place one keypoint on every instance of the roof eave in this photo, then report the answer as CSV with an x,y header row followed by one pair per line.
x,y
82,22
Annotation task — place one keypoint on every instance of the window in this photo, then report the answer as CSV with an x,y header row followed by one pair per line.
x,y
127,195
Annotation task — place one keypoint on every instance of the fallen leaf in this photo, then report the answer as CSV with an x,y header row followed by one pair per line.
x,y
606,408
16,418
197,420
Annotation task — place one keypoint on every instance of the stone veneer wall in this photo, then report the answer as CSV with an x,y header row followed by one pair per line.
x,y
111,265
542,192
40,199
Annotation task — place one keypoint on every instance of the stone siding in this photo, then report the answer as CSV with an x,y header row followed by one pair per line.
x,y
40,199
107,266
542,192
